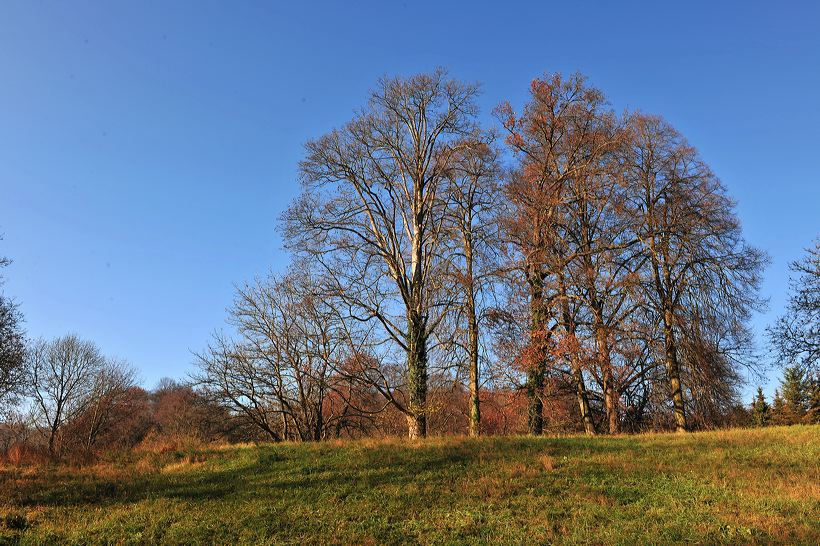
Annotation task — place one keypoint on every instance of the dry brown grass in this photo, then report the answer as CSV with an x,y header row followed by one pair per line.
x,y
548,462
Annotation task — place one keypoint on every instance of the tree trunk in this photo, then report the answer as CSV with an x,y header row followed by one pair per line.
x,y
417,377
610,393
535,406
611,401
320,422
475,409
537,367
54,430
583,397
285,427
575,366
472,332
51,443
673,372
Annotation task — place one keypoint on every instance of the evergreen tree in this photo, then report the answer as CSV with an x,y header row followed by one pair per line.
x,y
778,411
761,413
795,390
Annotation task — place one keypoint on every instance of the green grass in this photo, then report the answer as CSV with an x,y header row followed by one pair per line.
x,y
739,486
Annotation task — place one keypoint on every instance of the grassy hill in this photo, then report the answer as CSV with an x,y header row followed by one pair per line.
x,y
739,486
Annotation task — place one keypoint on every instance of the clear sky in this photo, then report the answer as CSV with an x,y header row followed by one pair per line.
x,y
147,148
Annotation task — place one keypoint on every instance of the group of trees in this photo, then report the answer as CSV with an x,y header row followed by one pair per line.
x,y
63,399
569,268
285,369
632,257
81,403
587,259
74,389
795,340
796,401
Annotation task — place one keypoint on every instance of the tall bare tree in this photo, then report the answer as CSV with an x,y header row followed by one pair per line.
x,y
474,203
590,243
557,140
373,214
700,271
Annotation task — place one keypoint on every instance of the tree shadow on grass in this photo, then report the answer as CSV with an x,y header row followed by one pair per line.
x,y
65,490
303,471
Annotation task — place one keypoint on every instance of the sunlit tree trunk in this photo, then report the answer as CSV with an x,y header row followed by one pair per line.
x,y
472,334
673,372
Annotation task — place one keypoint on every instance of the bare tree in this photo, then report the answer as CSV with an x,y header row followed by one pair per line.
x,y
700,272
12,348
278,372
617,229
796,335
373,215
12,353
474,204
557,140
109,389
589,258
228,375
61,383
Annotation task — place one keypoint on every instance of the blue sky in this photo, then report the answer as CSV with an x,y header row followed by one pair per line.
x,y
147,148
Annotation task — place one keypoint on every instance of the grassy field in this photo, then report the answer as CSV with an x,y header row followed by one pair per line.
x,y
740,486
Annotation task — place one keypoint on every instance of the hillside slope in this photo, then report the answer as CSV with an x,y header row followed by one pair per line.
x,y
739,486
